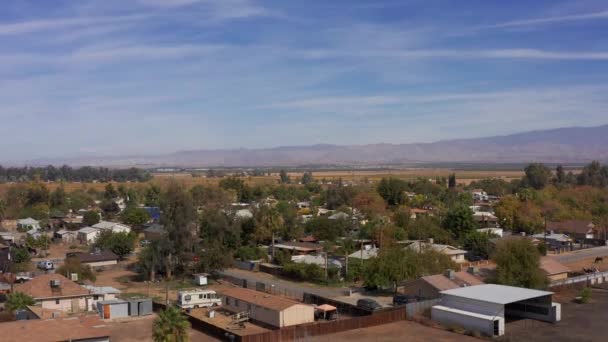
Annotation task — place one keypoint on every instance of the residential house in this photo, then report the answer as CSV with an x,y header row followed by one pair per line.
x,y
81,329
430,287
309,239
100,294
97,258
318,260
7,237
66,236
56,292
28,224
479,195
367,252
556,242
554,269
299,247
417,212
155,232
112,226
492,230
457,255
485,219
580,230
87,235
267,309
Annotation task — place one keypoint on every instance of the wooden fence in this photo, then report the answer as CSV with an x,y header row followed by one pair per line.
x,y
295,333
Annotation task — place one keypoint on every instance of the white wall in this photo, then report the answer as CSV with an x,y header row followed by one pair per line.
x,y
484,326
65,304
297,314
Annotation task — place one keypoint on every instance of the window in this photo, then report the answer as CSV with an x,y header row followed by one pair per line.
x,y
200,296
96,297
187,298
57,301
227,300
236,302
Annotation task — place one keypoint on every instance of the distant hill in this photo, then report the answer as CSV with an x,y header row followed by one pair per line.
x,y
564,145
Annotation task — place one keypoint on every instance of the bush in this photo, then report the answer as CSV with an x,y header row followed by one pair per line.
x,y
585,295
305,272
250,253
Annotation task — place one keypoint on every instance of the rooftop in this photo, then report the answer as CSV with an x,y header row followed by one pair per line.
x,y
40,287
101,289
96,256
260,298
68,329
498,294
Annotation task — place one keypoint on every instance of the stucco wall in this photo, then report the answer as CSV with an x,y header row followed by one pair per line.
x,y
102,263
297,314
65,304
258,313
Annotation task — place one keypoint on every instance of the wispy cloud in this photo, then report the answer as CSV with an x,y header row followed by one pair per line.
x,y
551,20
33,26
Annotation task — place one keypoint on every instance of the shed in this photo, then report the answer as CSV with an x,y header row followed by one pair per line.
x,y
140,307
200,279
112,309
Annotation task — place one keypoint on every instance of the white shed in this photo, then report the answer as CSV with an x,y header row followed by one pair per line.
x,y
200,279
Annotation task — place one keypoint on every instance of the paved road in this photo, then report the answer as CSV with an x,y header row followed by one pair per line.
x,y
582,254
283,286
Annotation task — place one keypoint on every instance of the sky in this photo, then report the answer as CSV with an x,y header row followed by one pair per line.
x,y
125,77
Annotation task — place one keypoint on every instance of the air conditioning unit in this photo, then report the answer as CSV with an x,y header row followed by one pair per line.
x,y
55,283
74,276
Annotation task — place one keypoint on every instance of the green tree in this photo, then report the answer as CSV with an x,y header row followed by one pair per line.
x,y
152,196
135,216
518,264
90,218
21,255
2,210
392,190
18,301
452,181
325,229
459,221
537,176
594,174
121,244
560,175
478,244
284,177
110,193
58,198
171,326
73,265
307,178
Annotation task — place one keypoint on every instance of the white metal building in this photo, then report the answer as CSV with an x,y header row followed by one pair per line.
x,y
483,308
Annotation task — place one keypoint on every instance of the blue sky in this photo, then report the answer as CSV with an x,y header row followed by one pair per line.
x,y
119,77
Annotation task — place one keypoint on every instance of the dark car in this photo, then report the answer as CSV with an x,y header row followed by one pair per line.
x,y
402,299
368,304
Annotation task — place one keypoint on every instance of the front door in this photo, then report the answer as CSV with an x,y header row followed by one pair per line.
x,y
106,311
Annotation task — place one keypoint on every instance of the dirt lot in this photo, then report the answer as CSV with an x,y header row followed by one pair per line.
x,y
141,330
398,331
223,320
577,266
580,322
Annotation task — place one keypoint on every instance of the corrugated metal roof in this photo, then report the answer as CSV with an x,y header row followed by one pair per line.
x,y
498,294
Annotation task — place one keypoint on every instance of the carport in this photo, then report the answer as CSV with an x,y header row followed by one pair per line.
x,y
483,308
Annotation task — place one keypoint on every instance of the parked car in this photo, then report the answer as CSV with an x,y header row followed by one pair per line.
x,y
368,304
402,299
46,265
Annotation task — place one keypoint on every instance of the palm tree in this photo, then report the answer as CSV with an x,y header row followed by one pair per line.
x,y
171,326
17,301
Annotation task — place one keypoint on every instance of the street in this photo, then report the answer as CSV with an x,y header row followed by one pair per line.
x,y
582,254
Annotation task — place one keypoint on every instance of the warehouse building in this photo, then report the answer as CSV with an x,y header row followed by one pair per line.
x,y
483,308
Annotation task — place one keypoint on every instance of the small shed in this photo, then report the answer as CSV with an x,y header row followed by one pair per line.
x,y
200,279
112,309
140,307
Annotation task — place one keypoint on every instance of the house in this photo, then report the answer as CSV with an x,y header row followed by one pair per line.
x,y
7,237
299,247
479,195
485,219
492,231
556,242
268,309
308,238
339,216
416,212
87,235
485,308
82,329
154,232
367,252
554,269
100,294
457,255
66,236
112,226
56,292
28,224
318,260
430,287
96,258
303,204
578,229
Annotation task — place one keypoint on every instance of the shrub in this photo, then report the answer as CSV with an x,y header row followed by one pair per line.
x,y
585,295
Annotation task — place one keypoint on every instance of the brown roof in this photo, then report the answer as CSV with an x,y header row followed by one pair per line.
x,y
96,256
462,278
308,238
51,330
571,226
260,298
552,266
40,287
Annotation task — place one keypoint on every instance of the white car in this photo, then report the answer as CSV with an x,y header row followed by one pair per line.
x,y
46,265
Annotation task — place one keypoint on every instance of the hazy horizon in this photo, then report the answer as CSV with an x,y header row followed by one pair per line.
x,y
147,77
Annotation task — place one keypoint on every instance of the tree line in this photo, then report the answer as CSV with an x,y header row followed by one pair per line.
x,y
69,174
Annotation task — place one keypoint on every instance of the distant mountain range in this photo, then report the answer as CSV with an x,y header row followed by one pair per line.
x,y
563,145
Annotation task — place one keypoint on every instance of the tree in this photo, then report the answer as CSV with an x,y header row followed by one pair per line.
x,y
152,196
37,193
18,301
2,210
459,221
452,181
73,265
392,190
109,208
560,175
121,244
518,264
284,177
307,178
594,174
370,204
90,218
478,244
537,176
135,216
325,229
20,255
58,198
171,326
110,193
